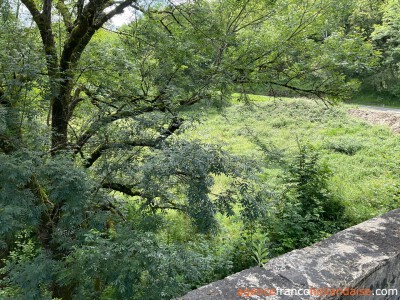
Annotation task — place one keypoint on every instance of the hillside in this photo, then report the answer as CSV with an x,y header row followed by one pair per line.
x,y
363,158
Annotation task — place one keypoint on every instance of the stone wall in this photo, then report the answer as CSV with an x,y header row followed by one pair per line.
x,y
360,259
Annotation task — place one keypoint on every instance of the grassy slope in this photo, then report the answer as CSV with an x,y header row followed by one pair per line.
x,y
364,159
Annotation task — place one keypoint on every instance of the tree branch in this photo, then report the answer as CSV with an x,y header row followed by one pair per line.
x,y
321,94
34,11
75,100
113,209
43,22
66,15
88,21
119,187
96,154
96,125
170,205
128,190
117,10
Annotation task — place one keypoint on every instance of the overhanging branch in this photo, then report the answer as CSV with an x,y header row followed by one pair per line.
x,y
96,125
119,187
96,154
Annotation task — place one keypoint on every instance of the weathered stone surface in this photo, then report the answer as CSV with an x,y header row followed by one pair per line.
x,y
365,256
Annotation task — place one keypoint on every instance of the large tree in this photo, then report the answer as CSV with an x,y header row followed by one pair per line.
x,y
81,22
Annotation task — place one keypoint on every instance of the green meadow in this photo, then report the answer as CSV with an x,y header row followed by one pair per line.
x,y
363,159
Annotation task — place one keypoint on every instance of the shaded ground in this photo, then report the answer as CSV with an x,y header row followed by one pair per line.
x,y
379,115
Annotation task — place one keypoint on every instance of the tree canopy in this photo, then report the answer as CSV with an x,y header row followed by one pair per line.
x,y
91,145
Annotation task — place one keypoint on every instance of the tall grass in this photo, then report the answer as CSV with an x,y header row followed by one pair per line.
x,y
364,159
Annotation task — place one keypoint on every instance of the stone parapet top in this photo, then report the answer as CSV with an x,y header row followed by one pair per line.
x,y
362,257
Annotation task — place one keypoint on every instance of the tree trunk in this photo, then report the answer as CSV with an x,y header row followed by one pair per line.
x,y
59,123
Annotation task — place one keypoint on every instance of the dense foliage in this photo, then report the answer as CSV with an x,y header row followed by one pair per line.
x,y
104,195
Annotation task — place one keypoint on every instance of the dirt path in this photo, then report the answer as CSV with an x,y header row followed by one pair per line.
x,y
379,115
380,108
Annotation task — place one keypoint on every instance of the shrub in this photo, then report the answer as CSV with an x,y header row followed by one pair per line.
x,y
306,211
345,146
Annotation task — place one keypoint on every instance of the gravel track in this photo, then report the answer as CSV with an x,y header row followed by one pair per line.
x,y
379,115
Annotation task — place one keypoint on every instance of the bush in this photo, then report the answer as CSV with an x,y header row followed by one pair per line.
x,y
345,146
306,211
